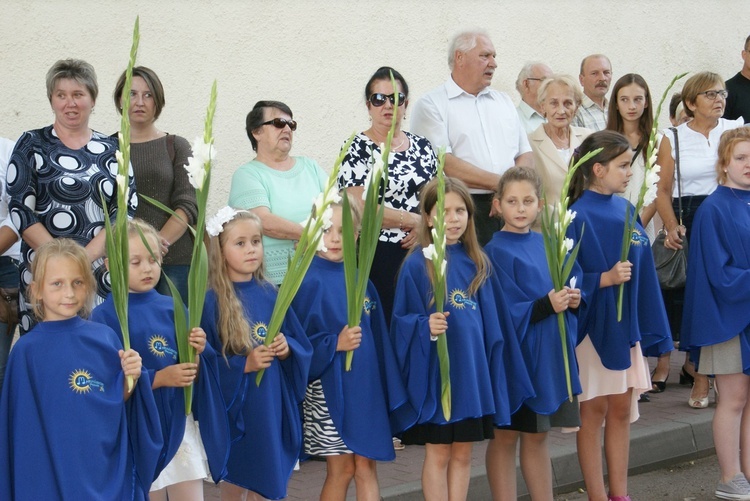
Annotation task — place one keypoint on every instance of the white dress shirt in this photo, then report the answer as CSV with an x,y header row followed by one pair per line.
x,y
483,130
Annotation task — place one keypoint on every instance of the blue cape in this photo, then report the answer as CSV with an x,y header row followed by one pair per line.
x,y
477,347
65,430
520,264
359,401
152,335
264,421
717,292
643,315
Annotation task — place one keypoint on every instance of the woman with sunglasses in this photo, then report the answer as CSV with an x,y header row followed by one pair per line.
x,y
704,98
276,186
411,165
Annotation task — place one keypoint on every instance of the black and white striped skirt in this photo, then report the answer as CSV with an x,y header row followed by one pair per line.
x,y
321,436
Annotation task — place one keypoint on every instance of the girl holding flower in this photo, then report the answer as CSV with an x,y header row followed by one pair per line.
x,y
66,401
476,346
183,462
611,367
264,421
347,413
526,291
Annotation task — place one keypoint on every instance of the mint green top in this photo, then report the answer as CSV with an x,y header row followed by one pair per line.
x,y
288,194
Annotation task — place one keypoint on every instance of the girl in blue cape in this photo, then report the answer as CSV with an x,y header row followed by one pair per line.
x,y
526,293
69,427
347,413
481,391
611,367
264,420
183,462
717,306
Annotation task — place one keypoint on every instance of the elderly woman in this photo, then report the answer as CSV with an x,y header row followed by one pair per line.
x,y
554,141
411,164
276,186
159,160
58,175
703,97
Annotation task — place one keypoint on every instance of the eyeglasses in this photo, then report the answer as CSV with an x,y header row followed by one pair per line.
x,y
711,95
280,123
379,99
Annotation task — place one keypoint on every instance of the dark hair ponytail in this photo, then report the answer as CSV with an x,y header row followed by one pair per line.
x,y
613,144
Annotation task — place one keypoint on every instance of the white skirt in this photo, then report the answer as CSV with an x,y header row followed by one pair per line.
x,y
598,381
189,463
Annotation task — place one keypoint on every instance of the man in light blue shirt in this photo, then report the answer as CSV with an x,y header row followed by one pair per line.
x,y
527,84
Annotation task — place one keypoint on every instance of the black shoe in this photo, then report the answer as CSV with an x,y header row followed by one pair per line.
x,y
686,379
644,398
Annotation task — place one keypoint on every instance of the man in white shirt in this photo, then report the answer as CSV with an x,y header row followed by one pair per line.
x,y
527,84
595,77
478,126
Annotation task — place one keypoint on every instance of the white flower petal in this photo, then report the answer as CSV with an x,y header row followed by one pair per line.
x,y
568,244
573,281
215,225
429,252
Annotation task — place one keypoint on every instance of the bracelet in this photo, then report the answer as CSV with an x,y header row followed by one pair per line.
x,y
433,338
401,220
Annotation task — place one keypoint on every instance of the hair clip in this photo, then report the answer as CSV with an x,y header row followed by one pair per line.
x,y
215,225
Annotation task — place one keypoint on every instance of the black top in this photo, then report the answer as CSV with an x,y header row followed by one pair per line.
x,y
738,101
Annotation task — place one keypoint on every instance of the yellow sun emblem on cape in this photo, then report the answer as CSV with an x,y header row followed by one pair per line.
x,y
258,332
457,298
79,381
460,299
156,345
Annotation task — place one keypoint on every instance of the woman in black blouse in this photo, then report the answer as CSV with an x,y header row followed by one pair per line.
x,y
411,165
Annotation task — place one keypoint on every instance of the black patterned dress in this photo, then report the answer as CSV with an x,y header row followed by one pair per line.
x,y
408,171
61,188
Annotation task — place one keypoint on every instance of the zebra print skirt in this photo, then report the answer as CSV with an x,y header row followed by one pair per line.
x,y
321,437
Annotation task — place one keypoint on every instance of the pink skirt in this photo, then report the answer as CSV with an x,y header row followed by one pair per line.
x,y
598,381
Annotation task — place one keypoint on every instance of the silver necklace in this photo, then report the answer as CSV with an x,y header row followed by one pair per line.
x,y
738,198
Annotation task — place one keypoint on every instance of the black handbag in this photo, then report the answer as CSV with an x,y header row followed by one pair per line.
x,y
671,265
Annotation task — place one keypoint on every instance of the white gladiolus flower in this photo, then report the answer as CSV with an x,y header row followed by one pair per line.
x,y
202,151
573,281
568,244
569,217
327,217
122,184
120,158
196,172
442,267
652,178
429,252
322,246
196,167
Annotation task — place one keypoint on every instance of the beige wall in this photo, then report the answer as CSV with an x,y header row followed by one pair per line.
x,y
317,56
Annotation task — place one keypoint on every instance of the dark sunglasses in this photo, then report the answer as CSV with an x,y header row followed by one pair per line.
x,y
379,99
280,123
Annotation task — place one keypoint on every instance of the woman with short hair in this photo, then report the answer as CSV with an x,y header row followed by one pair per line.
x,y
59,174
